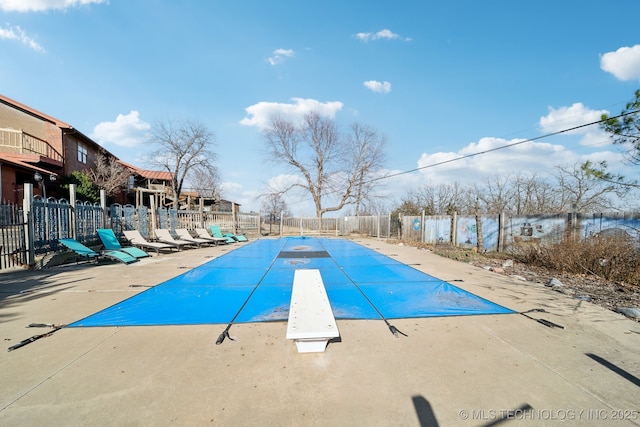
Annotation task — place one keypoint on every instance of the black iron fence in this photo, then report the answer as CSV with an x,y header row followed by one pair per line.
x,y
13,251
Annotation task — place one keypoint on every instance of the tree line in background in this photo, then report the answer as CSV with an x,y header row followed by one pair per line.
x,y
341,169
570,188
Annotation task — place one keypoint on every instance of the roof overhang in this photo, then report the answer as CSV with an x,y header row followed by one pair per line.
x,y
17,161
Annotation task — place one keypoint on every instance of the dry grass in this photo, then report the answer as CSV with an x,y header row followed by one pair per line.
x,y
610,258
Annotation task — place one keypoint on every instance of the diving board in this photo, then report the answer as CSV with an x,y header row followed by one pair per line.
x,y
311,322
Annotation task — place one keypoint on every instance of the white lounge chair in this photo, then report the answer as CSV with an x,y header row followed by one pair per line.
x,y
184,234
138,240
164,235
204,234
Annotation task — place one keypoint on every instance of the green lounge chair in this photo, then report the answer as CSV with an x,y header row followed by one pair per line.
x,y
215,232
111,243
237,237
89,254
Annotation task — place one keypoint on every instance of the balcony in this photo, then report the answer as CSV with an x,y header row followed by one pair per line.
x,y
20,142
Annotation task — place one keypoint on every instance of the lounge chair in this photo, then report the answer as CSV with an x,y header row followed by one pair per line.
x,y
164,235
89,254
136,239
184,234
237,237
215,232
202,233
111,242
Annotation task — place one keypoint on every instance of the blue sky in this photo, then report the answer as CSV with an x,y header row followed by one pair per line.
x,y
440,80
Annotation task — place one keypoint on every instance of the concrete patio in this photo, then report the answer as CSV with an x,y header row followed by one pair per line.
x,y
449,371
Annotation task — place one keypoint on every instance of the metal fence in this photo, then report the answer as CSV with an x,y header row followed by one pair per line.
x,y
36,227
54,219
502,232
13,251
374,226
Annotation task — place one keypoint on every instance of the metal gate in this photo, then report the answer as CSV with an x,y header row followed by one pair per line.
x,y
13,247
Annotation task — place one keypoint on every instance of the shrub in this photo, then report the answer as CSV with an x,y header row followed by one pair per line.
x,y
610,257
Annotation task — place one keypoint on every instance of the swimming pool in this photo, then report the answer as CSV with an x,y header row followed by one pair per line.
x,y
253,284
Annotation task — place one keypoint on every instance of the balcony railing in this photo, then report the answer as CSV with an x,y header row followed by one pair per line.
x,y
18,141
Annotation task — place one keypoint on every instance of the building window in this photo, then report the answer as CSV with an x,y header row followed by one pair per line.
x,y
82,153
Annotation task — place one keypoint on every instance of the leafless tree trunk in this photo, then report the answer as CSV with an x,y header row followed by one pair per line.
x,y
479,232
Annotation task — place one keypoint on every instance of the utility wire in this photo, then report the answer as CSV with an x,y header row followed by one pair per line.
x,y
500,148
380,178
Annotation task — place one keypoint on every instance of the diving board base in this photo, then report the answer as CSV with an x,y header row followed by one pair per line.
x,y
311,322
311,346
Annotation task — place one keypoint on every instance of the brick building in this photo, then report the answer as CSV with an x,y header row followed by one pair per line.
x,y
39,149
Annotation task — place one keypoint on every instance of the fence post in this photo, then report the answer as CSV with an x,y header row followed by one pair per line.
x,y
201,211
454,229
103,205
152,207
27,208
72,206
234,225
501,232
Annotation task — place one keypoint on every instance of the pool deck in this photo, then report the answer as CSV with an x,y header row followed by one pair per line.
x,y
449,371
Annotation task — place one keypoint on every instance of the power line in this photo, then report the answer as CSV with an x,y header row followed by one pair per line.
x,y
501,148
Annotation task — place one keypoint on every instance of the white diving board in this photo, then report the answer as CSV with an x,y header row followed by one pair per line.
x,y
311,321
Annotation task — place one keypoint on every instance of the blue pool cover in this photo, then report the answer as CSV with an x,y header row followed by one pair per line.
x,y
253,284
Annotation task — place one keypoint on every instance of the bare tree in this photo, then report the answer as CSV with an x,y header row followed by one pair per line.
x,y
440,199
329,164
182,149
367,157
206,181
494,196
533,195
108,174
580,191
273,205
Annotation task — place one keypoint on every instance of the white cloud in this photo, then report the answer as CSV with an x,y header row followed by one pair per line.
x,y
376,86
624,63
280,55
249,200
540,158
576,115
382,34
262,112
18,34
127,131
42,5
443,167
